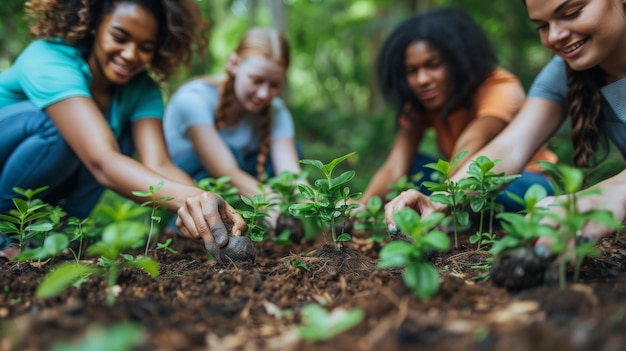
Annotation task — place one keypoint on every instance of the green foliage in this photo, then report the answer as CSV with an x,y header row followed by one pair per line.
x,y
53,245
320,325
328,199
373,219
301,265
119,337
449,192
155,204
405,183
419,275
283,187
568,181
256,230
522,229
166,246
30,217
116,237
485,186
220,186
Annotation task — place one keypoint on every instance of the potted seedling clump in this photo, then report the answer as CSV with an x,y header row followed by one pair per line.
x,y
516,266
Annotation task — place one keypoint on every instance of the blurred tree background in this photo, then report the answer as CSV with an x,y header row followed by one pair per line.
x,y
331,84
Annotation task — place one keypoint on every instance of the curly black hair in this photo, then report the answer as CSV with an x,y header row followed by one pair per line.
x,y
181,28
464,48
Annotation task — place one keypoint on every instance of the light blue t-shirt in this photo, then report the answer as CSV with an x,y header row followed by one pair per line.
x,y
49,71
551,84
195,103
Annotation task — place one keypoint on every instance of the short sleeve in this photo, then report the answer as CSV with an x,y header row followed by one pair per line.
x,y
192,104
149,102
501,96
49,72
282,121
551,82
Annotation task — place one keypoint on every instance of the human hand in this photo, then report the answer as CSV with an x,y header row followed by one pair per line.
x,y
413,199
203,216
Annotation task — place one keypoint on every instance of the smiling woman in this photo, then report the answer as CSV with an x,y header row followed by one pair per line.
x,y
79,100
438,70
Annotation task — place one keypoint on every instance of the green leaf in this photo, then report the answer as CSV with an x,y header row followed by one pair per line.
x,y
422,279
41,226
437,241
344,237
396,254
147,264
61,278
56,243
342,179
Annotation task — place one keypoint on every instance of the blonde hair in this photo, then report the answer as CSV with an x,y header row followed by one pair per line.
x,y
267,43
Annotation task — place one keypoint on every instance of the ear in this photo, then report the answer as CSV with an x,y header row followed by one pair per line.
x,y
232,63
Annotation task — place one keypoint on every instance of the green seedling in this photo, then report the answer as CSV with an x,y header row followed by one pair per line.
x,y
373,219
30,217
284,189
404,183
254,217
485,185
449,193
220,186
53,245
328,199
155,205
523,228
116,238
166,246
419,275
298,264
568,181
320,325
119,337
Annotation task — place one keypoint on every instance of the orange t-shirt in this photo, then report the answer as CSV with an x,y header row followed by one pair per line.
x,y
501,95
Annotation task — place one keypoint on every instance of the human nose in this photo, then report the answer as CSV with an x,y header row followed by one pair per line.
x,y
423,76
556,33
263,91
129,52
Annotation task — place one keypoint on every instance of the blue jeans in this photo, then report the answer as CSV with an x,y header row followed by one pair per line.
x,y
518,186
192,165
34,154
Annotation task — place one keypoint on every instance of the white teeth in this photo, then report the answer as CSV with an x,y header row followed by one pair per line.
x,y
571,48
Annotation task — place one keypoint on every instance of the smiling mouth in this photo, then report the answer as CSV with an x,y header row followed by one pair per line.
x,y
571,48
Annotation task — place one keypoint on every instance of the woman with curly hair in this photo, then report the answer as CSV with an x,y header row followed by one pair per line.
x,y
438,71
236,125
80,100
585,80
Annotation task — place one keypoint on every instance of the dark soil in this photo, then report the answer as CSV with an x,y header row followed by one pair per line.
x,y
200,304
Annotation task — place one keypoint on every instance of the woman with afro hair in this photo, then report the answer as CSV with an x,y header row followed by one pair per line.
x,y
82,99
438,70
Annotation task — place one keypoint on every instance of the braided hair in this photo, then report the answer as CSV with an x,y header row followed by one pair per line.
x,y
267,43
584,107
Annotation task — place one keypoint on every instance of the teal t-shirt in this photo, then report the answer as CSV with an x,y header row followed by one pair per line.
x,y
49,71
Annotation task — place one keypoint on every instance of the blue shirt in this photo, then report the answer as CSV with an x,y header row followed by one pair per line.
x,y
195,103
49,71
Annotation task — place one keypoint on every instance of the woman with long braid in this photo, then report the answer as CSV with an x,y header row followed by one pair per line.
x,y
236,125
586,80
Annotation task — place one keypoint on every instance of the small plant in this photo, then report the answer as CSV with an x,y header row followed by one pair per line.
x,y
116,237
254,217
404,183
166,246
284,189
155,204
373,219
301,265
568,181
485,185
419,275
320,325
119,337
449,193
328,198
53,245
220,186
30,217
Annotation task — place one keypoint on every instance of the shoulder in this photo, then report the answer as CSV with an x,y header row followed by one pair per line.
x,y
501,76
500,84
197,88
50,52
